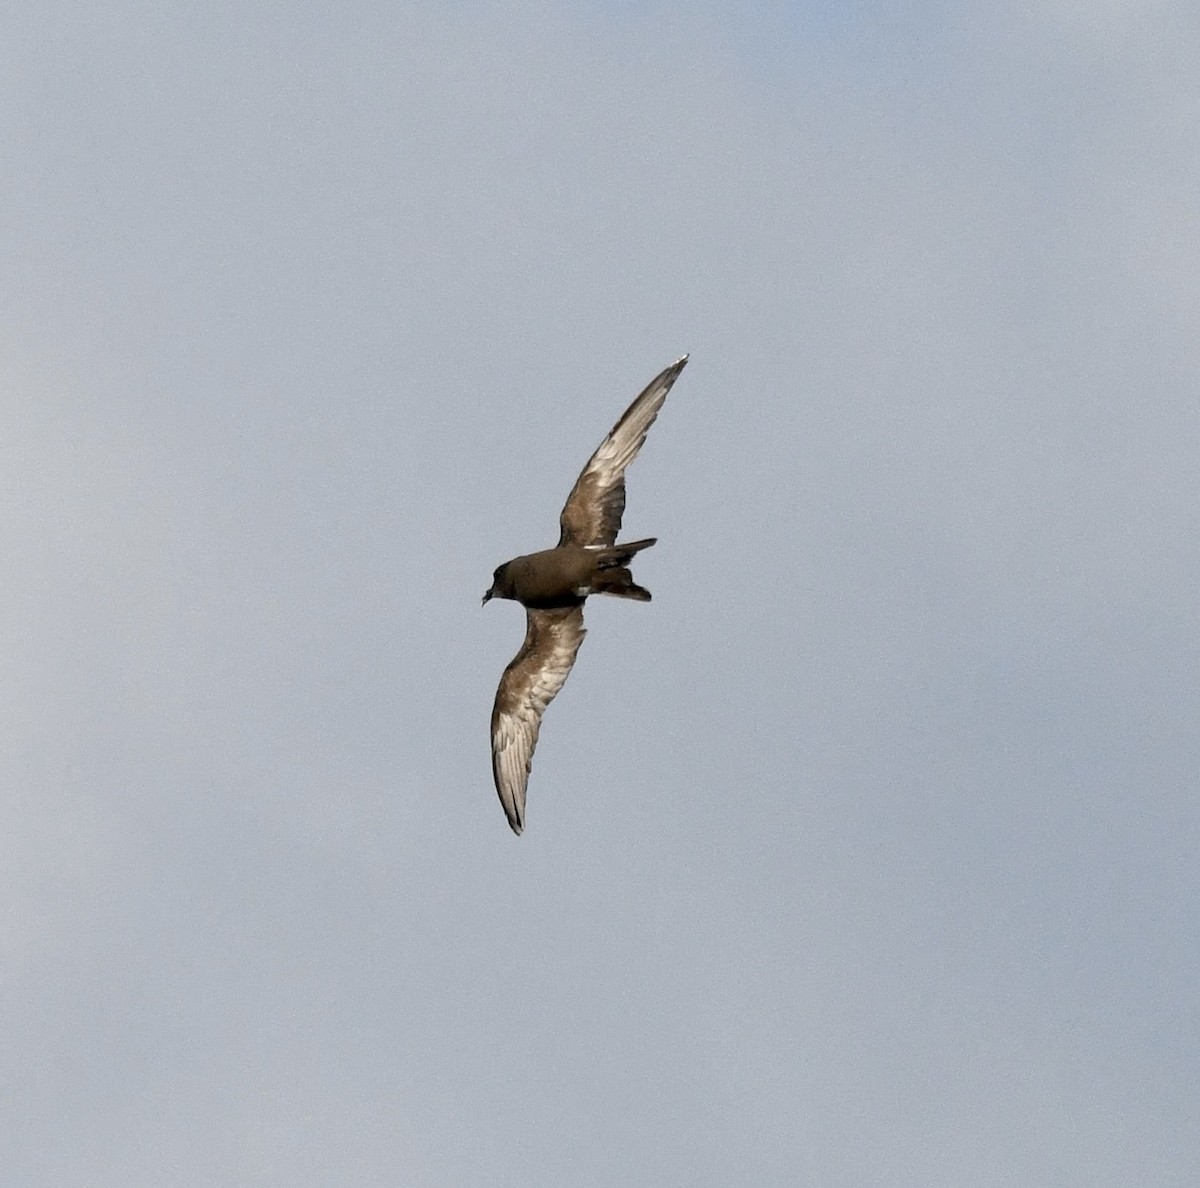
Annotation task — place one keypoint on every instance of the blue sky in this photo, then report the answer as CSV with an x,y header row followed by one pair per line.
x,y
864,854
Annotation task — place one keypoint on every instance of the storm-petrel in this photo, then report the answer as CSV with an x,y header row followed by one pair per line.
x,y
554,584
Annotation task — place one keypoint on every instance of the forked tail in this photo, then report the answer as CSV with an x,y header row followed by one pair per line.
x,y
613,575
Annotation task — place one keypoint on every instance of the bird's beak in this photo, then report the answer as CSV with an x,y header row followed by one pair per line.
x,y
487,595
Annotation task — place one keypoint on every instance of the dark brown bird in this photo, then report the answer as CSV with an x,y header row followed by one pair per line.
x,y
554,584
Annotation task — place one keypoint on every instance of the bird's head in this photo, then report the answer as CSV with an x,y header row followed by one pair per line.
x,y
501,585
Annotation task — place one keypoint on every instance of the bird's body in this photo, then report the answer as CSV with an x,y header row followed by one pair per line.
x,y
566,575
554,584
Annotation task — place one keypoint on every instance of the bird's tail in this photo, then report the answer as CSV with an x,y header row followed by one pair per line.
x,y
621,554
620,584
613,575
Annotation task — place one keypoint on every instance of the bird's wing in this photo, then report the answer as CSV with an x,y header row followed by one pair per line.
x,y
529,684
592,513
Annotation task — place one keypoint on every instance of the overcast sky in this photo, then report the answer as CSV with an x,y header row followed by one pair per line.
x,y
866,854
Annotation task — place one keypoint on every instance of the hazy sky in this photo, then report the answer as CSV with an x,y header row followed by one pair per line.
x,y
866,854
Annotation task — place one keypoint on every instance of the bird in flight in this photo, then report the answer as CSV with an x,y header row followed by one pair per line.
x,y
554,584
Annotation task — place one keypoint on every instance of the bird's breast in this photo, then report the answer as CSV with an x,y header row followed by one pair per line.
x,y
553,577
